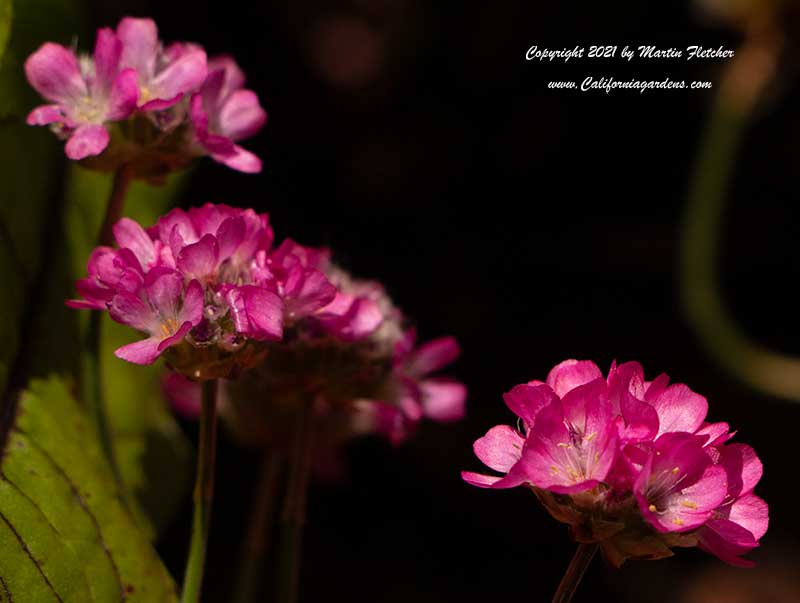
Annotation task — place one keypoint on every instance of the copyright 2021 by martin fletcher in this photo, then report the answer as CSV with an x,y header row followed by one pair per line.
x,y
599,82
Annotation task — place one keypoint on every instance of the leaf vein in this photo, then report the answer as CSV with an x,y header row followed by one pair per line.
x,y
30,556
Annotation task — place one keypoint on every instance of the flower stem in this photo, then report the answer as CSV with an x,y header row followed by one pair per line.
x,y
123,178
293,515
256,544
92,371
743,83
577,568
203,494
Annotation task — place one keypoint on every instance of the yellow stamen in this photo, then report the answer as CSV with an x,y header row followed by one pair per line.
x,y
675,470
653,508
169,327
689,504
677,521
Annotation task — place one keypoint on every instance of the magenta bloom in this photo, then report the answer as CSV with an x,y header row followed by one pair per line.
x,y
177,105
198,278
630,464
224,112
85,96
163,76
347,346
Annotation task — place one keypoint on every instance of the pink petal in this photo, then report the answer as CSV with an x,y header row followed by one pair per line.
x,y
107,52
443,400
124,96
307,291
500,449
54,73
177,230
432,356
479,480
570,374
727,541
193,303
87,141
198,116
230,235
139,45
264,311
140,352
241,115
240,160
199,260
45,115
164,289
183,76
680,409
526,401
362,319
752,513
128,309
232,76
743,467
131,235
718,433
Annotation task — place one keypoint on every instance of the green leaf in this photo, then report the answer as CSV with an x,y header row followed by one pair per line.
x,y
154,457
64,535
6,13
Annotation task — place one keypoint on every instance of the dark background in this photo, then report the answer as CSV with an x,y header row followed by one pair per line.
x,y
414,139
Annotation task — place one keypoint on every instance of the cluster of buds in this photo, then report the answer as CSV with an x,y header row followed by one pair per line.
x,y
629,464
141,104
355,361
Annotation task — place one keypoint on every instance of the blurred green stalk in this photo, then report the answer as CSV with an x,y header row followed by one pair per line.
x,y
762,369
203,494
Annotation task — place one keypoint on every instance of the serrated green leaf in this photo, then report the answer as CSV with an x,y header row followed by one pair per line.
x,y
153,455
64,533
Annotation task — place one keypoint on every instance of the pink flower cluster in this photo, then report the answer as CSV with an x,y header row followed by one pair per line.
x,y
628,463
354,355
210,276
174,89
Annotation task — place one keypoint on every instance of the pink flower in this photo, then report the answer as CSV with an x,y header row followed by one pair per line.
x,y
176,104
85,96
163,77
627,463
223,112
164,308
194,278
346,346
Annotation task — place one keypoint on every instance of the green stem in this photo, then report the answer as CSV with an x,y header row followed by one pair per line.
x,y
203,495
256,544
92,370
293,516
123,178
575,571
761,368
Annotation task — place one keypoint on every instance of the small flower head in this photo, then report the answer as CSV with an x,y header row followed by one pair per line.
x,y
345,347
139,103
630,464
199,284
